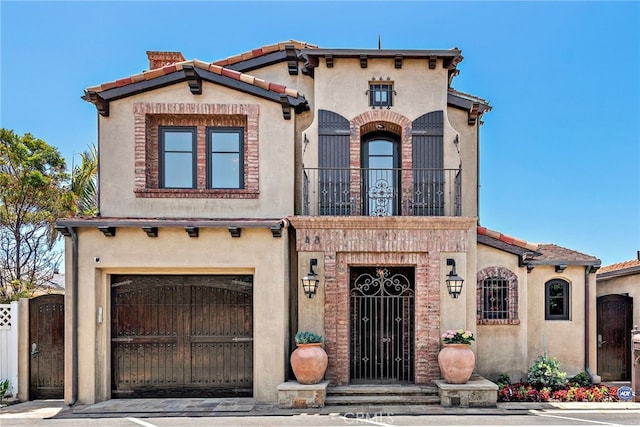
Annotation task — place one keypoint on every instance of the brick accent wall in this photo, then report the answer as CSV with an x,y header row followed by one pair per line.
x,y
394,241
501,273
149,116
370,121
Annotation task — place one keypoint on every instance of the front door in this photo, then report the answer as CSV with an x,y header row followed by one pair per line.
x,y
382,325
46,347
614,337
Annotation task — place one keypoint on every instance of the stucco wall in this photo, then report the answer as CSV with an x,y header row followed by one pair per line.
x,y
512,349
118,161
562,339
420,90
503,348
174,252
625,285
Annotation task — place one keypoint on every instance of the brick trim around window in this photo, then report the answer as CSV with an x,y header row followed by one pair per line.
x,y
149,116
501,273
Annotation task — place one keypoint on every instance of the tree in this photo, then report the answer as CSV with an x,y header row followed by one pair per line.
x,y
84,183
34,193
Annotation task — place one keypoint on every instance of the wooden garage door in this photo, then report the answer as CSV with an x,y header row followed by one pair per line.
x,y
181,336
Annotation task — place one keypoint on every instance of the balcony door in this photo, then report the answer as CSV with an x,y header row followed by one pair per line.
x,y
381,177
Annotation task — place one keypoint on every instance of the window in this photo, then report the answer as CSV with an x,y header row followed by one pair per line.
x,y
175,158
497,297
381,94
225,157
178,156
556,300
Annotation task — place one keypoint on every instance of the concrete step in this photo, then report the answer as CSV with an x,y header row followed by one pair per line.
x,y
382,395
379,399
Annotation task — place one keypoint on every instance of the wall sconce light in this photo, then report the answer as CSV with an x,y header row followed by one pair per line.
x,y
310,282
453,281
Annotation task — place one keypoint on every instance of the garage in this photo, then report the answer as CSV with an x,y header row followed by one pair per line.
x,y
181,336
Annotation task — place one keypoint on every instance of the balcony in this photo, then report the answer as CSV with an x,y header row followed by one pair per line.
x,y
381,192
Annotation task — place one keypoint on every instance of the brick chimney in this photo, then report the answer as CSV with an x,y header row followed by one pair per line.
x,y
160,59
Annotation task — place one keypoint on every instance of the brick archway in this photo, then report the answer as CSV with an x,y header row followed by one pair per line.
x,y
391,121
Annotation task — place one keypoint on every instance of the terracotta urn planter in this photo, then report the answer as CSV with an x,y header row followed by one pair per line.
x,y
309,363
456,363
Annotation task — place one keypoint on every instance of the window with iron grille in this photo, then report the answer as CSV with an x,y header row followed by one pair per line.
x,y
380,94
556,300
495,298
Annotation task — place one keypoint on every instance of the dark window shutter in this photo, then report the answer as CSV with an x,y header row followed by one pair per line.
x,y
428,163
333,163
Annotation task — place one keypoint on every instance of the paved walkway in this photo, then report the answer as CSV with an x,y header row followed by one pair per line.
x,y
118,408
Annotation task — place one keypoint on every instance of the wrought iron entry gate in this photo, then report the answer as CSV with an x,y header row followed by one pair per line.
x,y
382,324
182,336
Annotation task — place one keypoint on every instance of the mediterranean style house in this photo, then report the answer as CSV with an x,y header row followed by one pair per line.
x,y
223,184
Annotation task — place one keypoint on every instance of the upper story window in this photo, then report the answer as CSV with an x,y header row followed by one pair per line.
x,y
556,298
497,296
191,150
381,94
178,157
225,157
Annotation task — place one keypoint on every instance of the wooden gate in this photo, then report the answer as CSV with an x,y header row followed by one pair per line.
x,y
182,336
46,345
614,337
382,325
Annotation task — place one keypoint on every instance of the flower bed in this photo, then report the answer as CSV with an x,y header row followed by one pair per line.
x,y
523,392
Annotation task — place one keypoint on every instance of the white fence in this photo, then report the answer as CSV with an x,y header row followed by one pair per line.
x,y
9,345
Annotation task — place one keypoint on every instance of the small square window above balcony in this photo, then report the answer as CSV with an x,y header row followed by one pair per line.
x,y
381,94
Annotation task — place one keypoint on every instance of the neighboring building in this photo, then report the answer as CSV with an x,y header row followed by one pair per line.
x,y
618,285
222,183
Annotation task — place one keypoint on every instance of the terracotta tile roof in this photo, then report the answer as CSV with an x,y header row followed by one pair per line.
x,y
469,97
217,67
551,252
507,239
632,264
536,253
264,50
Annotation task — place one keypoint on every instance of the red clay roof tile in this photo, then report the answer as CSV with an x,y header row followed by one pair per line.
x,y
620,266
217,67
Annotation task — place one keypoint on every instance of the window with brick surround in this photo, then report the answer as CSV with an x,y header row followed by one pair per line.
x,y
556,298
225,157
497,296
238,121
177,157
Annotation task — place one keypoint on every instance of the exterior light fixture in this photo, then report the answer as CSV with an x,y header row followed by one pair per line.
x,y
310,282
453,281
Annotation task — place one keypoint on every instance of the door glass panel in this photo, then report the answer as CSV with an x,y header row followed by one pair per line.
x,y
381,177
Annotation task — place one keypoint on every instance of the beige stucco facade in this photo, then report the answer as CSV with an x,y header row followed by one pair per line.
x,y
264,230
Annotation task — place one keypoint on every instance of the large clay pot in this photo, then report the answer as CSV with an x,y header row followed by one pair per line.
x,y
456,363
309,363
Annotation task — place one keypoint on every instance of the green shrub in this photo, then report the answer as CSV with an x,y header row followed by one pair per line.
x,y
545,372
582,380
304,337
4,389
503,379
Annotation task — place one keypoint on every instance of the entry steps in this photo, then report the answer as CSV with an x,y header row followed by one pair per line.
x,y
382,394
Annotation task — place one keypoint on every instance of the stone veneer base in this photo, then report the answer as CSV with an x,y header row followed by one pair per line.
x,y
299,396
477,392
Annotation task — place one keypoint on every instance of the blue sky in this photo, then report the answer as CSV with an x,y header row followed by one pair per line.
x,y
560,152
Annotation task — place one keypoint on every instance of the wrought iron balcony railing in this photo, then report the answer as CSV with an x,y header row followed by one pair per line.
x,y
381,192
